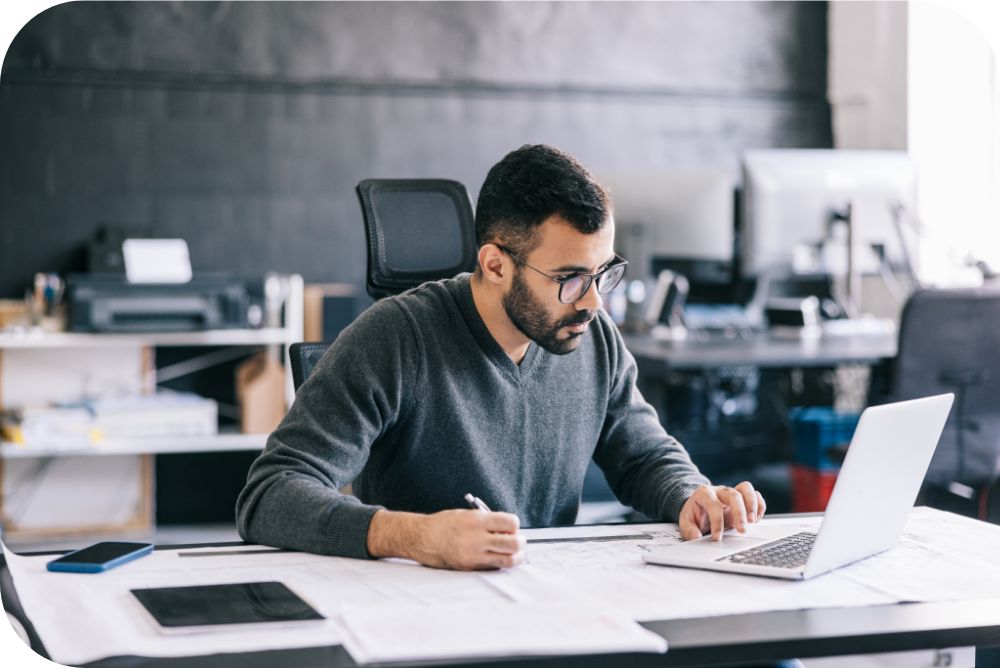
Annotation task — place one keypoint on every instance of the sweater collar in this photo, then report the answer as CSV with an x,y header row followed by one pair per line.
x,y
484,338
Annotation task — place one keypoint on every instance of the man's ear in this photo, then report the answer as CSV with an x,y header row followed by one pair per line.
x,y
492,263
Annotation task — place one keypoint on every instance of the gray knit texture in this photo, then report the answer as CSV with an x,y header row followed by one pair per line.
x,y
417,404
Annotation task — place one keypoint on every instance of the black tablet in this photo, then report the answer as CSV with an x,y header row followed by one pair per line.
x,y
207,607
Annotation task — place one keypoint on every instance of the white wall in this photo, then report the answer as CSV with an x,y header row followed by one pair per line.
x,y
867,74
920,76
954,134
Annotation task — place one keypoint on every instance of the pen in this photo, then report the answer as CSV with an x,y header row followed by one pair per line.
x,y
476,503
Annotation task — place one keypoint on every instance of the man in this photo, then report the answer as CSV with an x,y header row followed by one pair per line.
x,y
504,384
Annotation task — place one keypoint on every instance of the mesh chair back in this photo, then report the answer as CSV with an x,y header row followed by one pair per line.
x,y
418,230
304,357
949,341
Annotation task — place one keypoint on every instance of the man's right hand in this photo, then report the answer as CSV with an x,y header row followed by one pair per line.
x,y
457,539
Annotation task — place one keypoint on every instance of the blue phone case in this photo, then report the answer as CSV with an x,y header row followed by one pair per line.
x,y
95,567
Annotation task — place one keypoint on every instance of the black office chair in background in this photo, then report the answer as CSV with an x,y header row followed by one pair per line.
x,y
304,357
418,230
949,341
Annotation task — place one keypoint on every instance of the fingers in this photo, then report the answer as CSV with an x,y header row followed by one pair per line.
x,y
501,522
506,543
733,500
702,511
713,509
494,561
690,528
500,546
753,501
470,540
750,500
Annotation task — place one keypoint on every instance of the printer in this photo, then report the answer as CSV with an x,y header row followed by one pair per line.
x,y
107,302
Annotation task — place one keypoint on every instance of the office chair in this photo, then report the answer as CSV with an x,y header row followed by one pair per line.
x,y
418,230
949,341
304,357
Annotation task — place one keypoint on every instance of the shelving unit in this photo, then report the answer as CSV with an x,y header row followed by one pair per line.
x,y
101,350
146,446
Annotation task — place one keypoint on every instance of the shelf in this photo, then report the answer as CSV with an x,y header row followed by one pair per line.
x,y
145,446
214,337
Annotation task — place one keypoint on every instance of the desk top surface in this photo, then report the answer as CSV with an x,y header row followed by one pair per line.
x,y
702,350
762,636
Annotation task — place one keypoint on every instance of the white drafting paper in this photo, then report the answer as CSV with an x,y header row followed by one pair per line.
x,y
85,617
405,633
940,557
614,572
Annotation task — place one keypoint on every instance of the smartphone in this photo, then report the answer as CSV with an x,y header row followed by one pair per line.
x,y
99,557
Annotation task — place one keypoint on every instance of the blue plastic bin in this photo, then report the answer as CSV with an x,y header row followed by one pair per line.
x,y
821,436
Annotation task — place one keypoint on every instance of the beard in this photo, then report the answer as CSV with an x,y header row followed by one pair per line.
x,y
532,320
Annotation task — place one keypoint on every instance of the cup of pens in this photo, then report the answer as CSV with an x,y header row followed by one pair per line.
x,y
44,302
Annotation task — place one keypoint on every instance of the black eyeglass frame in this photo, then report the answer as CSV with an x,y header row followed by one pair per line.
x,y
618,261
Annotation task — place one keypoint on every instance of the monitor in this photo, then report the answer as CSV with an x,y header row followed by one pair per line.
x,y
682,215
790,197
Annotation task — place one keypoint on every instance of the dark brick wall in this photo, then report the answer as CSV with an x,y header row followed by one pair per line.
x,y
243,127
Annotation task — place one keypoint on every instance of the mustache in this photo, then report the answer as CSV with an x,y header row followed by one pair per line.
x,y
582,318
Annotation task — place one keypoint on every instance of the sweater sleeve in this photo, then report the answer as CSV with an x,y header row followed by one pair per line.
x,y
355,394
646,468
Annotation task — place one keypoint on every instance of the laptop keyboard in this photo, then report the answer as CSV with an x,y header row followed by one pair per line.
x,y
788,552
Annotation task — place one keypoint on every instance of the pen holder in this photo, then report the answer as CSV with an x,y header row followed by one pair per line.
x,y
43,302
35,314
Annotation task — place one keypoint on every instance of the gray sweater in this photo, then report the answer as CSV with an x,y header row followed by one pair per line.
x,y
417,404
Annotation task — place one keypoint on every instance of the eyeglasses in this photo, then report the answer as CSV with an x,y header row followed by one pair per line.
x,y
573,287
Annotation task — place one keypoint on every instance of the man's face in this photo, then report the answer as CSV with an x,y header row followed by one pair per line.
x,y
532,302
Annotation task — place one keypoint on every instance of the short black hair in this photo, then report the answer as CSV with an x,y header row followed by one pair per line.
x,y
530,185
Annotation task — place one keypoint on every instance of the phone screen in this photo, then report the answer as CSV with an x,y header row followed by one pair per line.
x,y
100,553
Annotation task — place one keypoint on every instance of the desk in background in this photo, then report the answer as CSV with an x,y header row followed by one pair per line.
x,y
711,351
727,397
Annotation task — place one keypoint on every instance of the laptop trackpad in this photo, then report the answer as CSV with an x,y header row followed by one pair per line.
x,y
729,543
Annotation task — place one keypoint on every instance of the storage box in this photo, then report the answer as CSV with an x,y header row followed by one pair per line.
x,y
74,496
811,488
821,436
163,415
327,309
260,391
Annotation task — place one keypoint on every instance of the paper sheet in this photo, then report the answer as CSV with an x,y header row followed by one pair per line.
x,y
940,557
403,633
614,572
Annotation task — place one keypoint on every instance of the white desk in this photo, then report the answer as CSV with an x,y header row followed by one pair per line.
x,y
697,632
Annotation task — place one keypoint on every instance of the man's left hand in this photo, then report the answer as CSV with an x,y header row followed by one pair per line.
x,y
714,508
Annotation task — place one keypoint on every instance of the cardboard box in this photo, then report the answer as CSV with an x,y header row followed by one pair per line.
x,y
327,309
260,391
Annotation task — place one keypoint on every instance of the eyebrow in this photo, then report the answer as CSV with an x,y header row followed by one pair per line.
x,y
578,269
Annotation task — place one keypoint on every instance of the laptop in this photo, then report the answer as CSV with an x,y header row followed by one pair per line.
x,y
877,485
